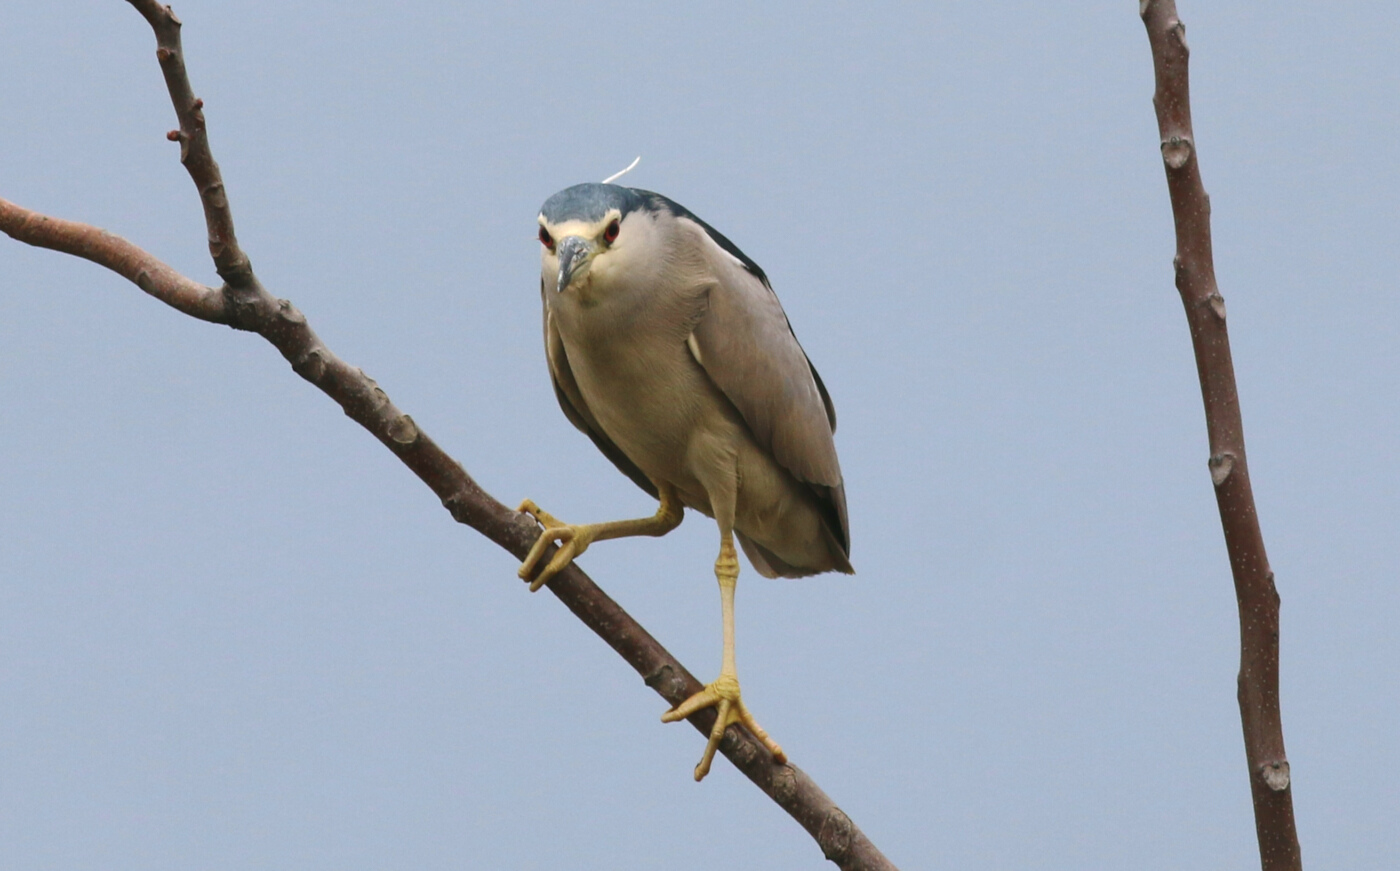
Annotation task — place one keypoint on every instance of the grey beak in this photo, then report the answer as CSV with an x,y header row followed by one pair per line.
x,y
574,254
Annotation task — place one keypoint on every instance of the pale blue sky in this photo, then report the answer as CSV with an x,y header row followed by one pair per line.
x,y
236,633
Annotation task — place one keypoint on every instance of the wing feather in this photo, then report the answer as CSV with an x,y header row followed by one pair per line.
x,y
748,348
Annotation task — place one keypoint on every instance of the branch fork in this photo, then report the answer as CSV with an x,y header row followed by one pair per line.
x,y
242,302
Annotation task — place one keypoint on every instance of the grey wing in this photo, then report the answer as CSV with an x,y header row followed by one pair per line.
x,y
746,345
576,410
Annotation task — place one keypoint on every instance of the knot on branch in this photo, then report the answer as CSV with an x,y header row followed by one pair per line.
x,y
834,837
290,313
667,683
1176,151
1177,28
403,431
214,196
784,785
1275,775
734,745
459,506
1221,466
312,366
377,397
234,268
242,308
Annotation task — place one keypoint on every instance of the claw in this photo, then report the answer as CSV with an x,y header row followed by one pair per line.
x,y
544,517
573,541
716,734
724,695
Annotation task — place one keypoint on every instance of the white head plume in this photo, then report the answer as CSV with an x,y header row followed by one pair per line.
x,y
617,175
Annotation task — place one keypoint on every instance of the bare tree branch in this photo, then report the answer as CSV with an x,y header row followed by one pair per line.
x,y
118,255
1255,593
243,303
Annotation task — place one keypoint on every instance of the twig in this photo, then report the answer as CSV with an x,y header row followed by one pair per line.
x,y
243,303
1255,593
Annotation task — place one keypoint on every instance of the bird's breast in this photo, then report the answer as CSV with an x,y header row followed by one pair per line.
x,y
645,389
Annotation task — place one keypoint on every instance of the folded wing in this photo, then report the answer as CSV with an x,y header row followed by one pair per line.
x,y
746,345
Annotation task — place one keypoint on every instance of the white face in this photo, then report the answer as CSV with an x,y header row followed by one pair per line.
x,y
586,248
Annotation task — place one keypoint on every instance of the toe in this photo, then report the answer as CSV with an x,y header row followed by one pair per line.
x,y
562,557
527,567
722,720
544,518
723,693
779,757
706,698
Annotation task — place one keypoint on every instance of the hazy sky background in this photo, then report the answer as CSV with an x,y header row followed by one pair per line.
x,y
236,633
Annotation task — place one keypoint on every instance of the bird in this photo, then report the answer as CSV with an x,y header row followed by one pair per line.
x,y
668,348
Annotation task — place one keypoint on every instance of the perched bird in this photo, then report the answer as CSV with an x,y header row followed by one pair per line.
x,y
669,349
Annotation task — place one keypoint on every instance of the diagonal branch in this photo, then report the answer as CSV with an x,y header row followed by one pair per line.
x,y
1255,593
243,303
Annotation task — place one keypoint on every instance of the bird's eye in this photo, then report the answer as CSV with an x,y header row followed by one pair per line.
x,y
610,234
546,240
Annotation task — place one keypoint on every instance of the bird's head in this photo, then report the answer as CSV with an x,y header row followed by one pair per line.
x,y
588,230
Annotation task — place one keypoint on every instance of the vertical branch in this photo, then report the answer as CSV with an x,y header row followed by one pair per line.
x,y
229,260
1255,593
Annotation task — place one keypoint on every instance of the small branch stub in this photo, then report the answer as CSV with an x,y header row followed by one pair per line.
x,y
1178,28
290,313
312,366
1276,775
403,430
666,683
784,786
1221,465
1176,151
835,835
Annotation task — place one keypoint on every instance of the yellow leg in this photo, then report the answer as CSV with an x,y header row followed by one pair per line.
x,y
723,693
574,540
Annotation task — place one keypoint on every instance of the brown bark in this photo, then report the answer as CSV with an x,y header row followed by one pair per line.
x,y
1269,780
244,304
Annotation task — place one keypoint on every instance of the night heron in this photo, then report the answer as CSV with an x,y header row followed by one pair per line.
x,y
669,349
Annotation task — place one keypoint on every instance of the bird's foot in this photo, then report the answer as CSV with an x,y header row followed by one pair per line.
x,y
724,695
573,541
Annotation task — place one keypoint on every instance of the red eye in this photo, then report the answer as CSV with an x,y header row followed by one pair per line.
x,y
546,240
610,234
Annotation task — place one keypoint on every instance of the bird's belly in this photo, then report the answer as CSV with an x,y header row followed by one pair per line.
x,y
657,404
659,407
670,419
